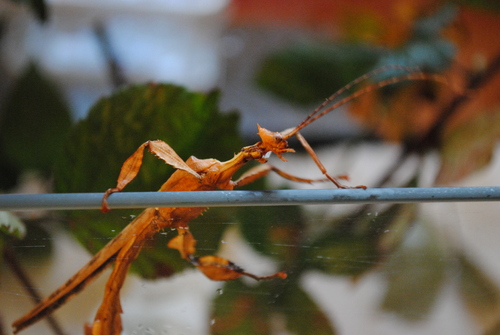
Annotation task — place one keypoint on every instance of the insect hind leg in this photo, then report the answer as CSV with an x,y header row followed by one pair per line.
x,y
214,267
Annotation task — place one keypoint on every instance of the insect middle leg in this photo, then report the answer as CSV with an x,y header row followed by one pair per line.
x,y
263,170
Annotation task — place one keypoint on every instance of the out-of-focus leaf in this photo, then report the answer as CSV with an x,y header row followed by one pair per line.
x,y
481,4
309,73
424,47
406,111
479,293
345,249
415,273
400,112
12,225
357,243
34,122
35,246
401,115
363,26
29,240
272,231
342,255
267,308
241,309
39,7
302,315
115,127
393,225
469,146
9,173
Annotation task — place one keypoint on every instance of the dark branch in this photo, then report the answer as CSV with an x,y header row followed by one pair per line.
x,y
11,259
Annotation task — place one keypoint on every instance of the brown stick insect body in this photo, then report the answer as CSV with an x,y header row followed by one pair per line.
x,y
193,175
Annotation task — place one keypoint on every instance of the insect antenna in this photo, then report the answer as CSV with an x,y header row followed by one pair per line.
x,y
357,81
321,108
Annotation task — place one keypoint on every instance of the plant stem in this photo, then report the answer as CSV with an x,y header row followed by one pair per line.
x,y
11,259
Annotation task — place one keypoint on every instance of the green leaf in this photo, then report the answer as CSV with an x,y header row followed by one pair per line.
x,y
393,225
359,242
36,245
479,293
273,231
9,173
302,315
267,308
415,273
241,309
469,146
115,127
311,72
342,254
34,123
481,4
12,225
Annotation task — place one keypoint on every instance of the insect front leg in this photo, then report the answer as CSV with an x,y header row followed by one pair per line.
x,y
132,165
320,165
214,267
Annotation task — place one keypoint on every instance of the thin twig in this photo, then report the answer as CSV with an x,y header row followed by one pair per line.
x,y
115,69
2,328
11,259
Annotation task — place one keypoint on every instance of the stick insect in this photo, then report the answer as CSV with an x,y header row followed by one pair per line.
x,y
192,175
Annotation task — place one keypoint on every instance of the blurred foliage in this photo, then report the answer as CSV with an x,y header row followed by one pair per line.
x,y
274,232
424,45
36,245
33,125
357,243
307,73
31,242
38,7
11,228
267,308
310,72
34,121
469,146
479,293
115,127
415,273
481,4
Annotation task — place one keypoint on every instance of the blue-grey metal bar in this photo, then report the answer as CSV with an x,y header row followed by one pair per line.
x,y
73,201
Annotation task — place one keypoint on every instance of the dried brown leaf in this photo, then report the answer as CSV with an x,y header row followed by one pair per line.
x,y
469,146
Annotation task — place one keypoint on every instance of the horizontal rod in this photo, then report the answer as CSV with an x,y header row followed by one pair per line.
x,y
74,201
